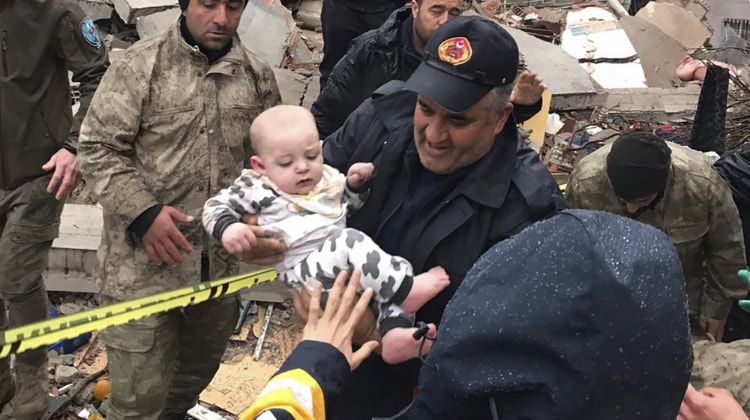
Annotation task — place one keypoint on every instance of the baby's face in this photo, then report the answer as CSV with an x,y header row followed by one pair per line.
x,y
295,162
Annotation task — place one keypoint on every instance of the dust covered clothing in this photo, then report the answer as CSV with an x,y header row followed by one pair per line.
x,y
168,128
723,365
696,212
320,246
40,42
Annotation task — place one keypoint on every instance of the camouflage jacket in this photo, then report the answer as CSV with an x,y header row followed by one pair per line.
x,y
723,365
696,212
166,127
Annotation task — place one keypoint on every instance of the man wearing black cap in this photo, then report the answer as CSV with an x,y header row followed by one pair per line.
x,y
675,189
452,178
168,128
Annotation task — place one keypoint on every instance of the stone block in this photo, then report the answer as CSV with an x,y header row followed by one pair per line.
x,y
268,29
157,22
309,14
130,10
97,9
65,374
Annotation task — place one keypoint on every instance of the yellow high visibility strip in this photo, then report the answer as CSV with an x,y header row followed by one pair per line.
x,y
44,333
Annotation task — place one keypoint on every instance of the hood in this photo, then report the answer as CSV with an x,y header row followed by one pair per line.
x,y
582,315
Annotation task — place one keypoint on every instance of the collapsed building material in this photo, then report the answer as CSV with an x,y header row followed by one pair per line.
x,y
130,10
678,23
97,9
268,29
156,22
658,53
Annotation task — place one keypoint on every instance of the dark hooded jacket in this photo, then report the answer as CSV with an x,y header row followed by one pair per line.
x,y
40,41
580,316
373,59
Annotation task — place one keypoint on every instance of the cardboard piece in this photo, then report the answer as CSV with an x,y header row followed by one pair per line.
x,y
235,386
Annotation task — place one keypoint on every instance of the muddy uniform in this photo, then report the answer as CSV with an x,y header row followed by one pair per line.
x,y
168,128
696,212
320,245
40,41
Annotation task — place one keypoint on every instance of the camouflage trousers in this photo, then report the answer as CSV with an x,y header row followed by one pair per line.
x,y
29,221
723,365
159,365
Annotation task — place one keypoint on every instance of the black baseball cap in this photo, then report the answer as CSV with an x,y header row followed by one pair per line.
x,y
463,60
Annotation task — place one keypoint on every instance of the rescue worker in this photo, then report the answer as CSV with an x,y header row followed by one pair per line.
x,y
674,189
393,52
40,42
168,129
535,331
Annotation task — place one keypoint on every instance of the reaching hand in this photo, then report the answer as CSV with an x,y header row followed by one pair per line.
x,y
528,89
359,173
335,325
164,242
710,404
238,238
267,250
67,173
713,327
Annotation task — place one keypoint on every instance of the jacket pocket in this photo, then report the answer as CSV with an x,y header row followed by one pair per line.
x,y
235,126
25,234
133,337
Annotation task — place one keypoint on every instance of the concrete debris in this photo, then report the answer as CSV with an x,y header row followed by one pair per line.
x,y
309,15
65,374
721,11
268,29
130,10
97,9
678,23
157,22
696,7
658,53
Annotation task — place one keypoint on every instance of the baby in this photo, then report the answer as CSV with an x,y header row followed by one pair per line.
x,y
304,202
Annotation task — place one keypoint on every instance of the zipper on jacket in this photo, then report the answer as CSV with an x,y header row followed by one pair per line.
x,y
4,44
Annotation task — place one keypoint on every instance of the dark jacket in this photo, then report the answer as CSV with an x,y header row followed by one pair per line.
x,y
505,191
40,41
373,59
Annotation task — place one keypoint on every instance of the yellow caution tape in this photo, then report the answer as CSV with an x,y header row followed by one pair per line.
x,y
44,333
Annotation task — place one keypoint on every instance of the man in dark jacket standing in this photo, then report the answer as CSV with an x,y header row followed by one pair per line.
x,y
40,41
393,52
452,177
344,20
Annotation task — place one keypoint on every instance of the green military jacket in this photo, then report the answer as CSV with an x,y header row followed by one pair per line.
x,y
40,41
696,212
166,127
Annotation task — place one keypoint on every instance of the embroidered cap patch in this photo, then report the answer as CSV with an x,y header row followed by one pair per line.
x,y
455,51
90,34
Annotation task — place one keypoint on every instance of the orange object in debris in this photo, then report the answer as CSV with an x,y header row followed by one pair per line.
x,y
95,417
101,389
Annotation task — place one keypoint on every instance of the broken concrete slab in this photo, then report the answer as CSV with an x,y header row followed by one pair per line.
x,y
302,54
309,14
659,53
678,23
130,10
157,22
291,85
672,101
97,9
697,7
560,71
65,374
268,29
312,92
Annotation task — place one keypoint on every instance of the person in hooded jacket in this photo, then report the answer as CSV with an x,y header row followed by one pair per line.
x,y
41,41
562,321
393,52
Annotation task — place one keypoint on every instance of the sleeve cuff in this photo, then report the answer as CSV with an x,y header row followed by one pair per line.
x,y
324,362
524,112
143,223
221,225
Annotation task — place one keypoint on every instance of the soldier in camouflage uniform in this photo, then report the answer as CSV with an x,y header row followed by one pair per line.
x,y
40,41
674,189
168,129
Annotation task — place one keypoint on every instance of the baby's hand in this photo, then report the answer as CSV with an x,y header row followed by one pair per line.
x,y
359,173
238,238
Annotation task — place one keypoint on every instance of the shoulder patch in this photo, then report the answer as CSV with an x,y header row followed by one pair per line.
x,y
90,34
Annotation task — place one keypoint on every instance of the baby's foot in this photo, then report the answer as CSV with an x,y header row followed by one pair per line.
x,y
425,287
398,345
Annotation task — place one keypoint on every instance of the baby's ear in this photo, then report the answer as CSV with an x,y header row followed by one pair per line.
x,y
257,163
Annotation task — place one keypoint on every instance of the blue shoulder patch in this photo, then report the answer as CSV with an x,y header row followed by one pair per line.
x,y
90,34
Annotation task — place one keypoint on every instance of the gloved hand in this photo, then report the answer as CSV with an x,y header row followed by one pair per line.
x,y
744,304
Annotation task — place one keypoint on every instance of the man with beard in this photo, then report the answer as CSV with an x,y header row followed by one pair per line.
x,y
40,42
674,189
169,128
393,52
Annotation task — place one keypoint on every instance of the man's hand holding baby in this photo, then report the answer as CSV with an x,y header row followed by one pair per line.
x,y
238,238
358,174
